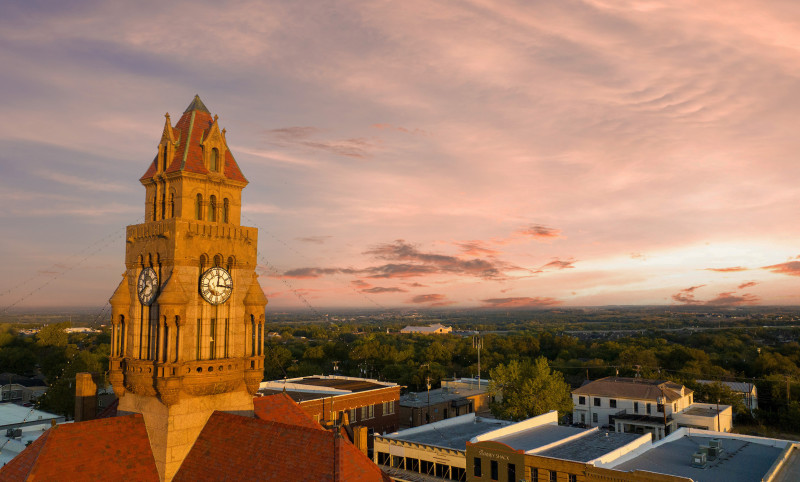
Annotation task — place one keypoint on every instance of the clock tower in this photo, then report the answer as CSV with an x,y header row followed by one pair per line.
x,y
188,315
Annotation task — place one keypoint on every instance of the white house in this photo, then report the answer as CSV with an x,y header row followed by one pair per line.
x,y
640,405
436,329
745,390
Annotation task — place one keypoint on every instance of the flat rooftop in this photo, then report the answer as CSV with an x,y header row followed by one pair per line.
x,y
704,412
742,461
536,437
315,387
590,446
11,414
437,396
449,435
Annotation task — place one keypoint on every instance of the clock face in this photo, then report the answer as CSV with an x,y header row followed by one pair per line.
x,y
147,286
216,285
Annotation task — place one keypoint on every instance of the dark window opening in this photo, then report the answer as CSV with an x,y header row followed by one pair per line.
x,y
596,402
512,473
213,161
476,467
198,207
494,470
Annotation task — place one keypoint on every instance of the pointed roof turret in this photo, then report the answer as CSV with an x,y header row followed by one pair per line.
x,y
197,104
189,134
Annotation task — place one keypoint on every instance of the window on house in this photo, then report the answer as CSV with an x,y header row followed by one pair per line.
x,y
388,408
581,400
573,478
635,407
612,403
213,161
675,407
649,408
534,475
553,476
583,418
494,470
476,467
352,415
512,473
212,209
594,417
596,402
198,207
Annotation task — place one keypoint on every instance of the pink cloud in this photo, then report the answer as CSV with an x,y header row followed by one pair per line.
x,y
434,299
559,264
792,268
477,248
539,231
747,284
687,295
733,269
731,299
380,289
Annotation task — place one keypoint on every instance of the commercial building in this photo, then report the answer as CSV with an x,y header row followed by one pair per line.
x,y
334,400
419,408
640,405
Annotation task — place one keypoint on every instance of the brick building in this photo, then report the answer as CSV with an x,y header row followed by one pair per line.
x,y
419,408
330,400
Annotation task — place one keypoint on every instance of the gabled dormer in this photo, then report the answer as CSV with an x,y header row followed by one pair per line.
x,y
215,149
166,147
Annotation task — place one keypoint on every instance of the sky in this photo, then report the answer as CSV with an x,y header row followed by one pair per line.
x,y
418,154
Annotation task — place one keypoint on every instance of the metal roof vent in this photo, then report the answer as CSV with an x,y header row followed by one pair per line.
x,y
699,460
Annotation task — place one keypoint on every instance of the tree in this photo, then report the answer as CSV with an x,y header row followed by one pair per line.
x,y
528,389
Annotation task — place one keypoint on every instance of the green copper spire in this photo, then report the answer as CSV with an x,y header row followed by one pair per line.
x,y
197,104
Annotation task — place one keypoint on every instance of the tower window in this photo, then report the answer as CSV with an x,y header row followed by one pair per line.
x,y
198,207
212,209
163,205
225,210
164,158
213,161
172,204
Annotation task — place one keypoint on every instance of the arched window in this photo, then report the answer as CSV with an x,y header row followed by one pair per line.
x,y
163,205
155,206
198,207
172,204
217,260
213,161
225,210
164,158
212,209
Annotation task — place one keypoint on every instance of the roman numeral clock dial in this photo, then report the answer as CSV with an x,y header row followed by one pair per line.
x,y
216,285
147,286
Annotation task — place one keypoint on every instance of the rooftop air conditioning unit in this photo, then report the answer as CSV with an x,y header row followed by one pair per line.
x,y
699,460
715,442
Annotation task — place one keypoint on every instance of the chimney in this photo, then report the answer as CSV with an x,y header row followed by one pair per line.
x,y
85,397
360,438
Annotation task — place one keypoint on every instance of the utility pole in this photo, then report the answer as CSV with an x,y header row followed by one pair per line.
x,y
477,343
428,384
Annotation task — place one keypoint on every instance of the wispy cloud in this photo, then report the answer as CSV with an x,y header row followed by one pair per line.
x,y
748,284
380,289
434,299
559,264
733,269
539,231
302,136
88,184
686,295
792,268
314,239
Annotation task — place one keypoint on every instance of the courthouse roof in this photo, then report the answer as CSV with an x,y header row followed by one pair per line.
x,y
252,449
281,408
109,448
191,130
632,388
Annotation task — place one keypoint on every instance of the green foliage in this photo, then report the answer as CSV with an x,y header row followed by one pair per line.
x,y
53,335
528,389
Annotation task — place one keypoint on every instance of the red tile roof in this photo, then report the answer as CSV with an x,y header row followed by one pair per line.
x,y
244,448
281,408
192,128
109,449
